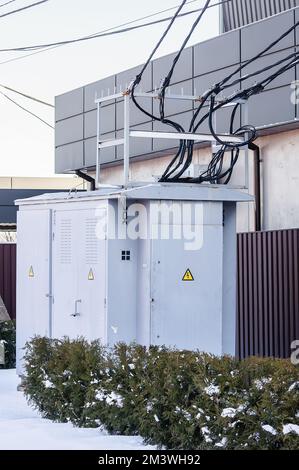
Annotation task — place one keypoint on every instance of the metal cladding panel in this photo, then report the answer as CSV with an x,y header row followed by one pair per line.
x,y
268,293
271,107
106,86
183,70
69,104
258,36
8,277
204,82
284,79
163,144
217,53
138,146
238,13
107,121
136,116
223,120
69,130
123,79
177,106
90,124
90,146
69,157
90,151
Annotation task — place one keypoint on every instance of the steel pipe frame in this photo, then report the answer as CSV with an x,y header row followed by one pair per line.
x,y
128,134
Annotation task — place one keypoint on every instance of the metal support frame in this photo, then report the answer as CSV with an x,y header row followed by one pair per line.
x,y
128,133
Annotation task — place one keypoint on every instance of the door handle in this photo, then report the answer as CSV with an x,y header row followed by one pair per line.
x,y
76,312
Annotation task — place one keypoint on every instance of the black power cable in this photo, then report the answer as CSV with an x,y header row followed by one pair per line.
x,y
105,34
26,7
37,100
26,110
215,172
167,79
122,25
182,145
7,3
138,78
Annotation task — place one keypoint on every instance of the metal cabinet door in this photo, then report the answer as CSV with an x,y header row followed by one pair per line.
x,y
64,274
79,263
91,281
186,314
33,277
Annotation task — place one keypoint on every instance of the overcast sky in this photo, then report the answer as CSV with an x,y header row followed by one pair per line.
x,y
26,145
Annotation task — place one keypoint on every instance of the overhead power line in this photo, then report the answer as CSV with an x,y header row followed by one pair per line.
x,y
22,8
106,33
48,104
103,31
37,100
7,3
26,110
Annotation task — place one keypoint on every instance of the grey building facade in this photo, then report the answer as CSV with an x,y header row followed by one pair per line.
x,y
199,68
238,13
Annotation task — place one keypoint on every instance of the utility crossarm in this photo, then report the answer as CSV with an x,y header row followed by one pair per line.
x,y
170,135
185,136
128,133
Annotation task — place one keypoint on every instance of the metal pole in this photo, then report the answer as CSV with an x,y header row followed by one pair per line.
x,y
246,135
126,138
98,163
214,143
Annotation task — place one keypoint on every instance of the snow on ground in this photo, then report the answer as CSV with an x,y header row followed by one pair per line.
x,y
22,428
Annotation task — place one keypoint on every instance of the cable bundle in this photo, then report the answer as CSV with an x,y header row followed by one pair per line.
x,y
215,172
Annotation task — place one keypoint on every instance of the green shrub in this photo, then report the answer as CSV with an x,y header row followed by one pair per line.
x,y
174,399
8,337
60,377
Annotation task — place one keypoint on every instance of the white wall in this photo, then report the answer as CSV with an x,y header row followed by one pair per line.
x,y
280,166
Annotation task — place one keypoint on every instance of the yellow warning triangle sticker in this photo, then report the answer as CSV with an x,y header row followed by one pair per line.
x,y
188,276
31,272
90,275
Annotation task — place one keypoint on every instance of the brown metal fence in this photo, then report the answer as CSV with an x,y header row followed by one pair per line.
x,y
8,277
268,293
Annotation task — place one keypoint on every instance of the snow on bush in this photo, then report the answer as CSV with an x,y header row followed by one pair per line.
x,y
174,399
291,428
270,429
229,413
212,390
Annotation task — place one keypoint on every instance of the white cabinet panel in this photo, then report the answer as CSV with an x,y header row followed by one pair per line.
x,y
33,278
79,264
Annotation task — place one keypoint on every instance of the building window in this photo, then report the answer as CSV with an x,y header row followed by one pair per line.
x,y
125,255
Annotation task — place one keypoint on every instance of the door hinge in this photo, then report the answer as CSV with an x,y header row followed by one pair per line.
x,y
53,236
